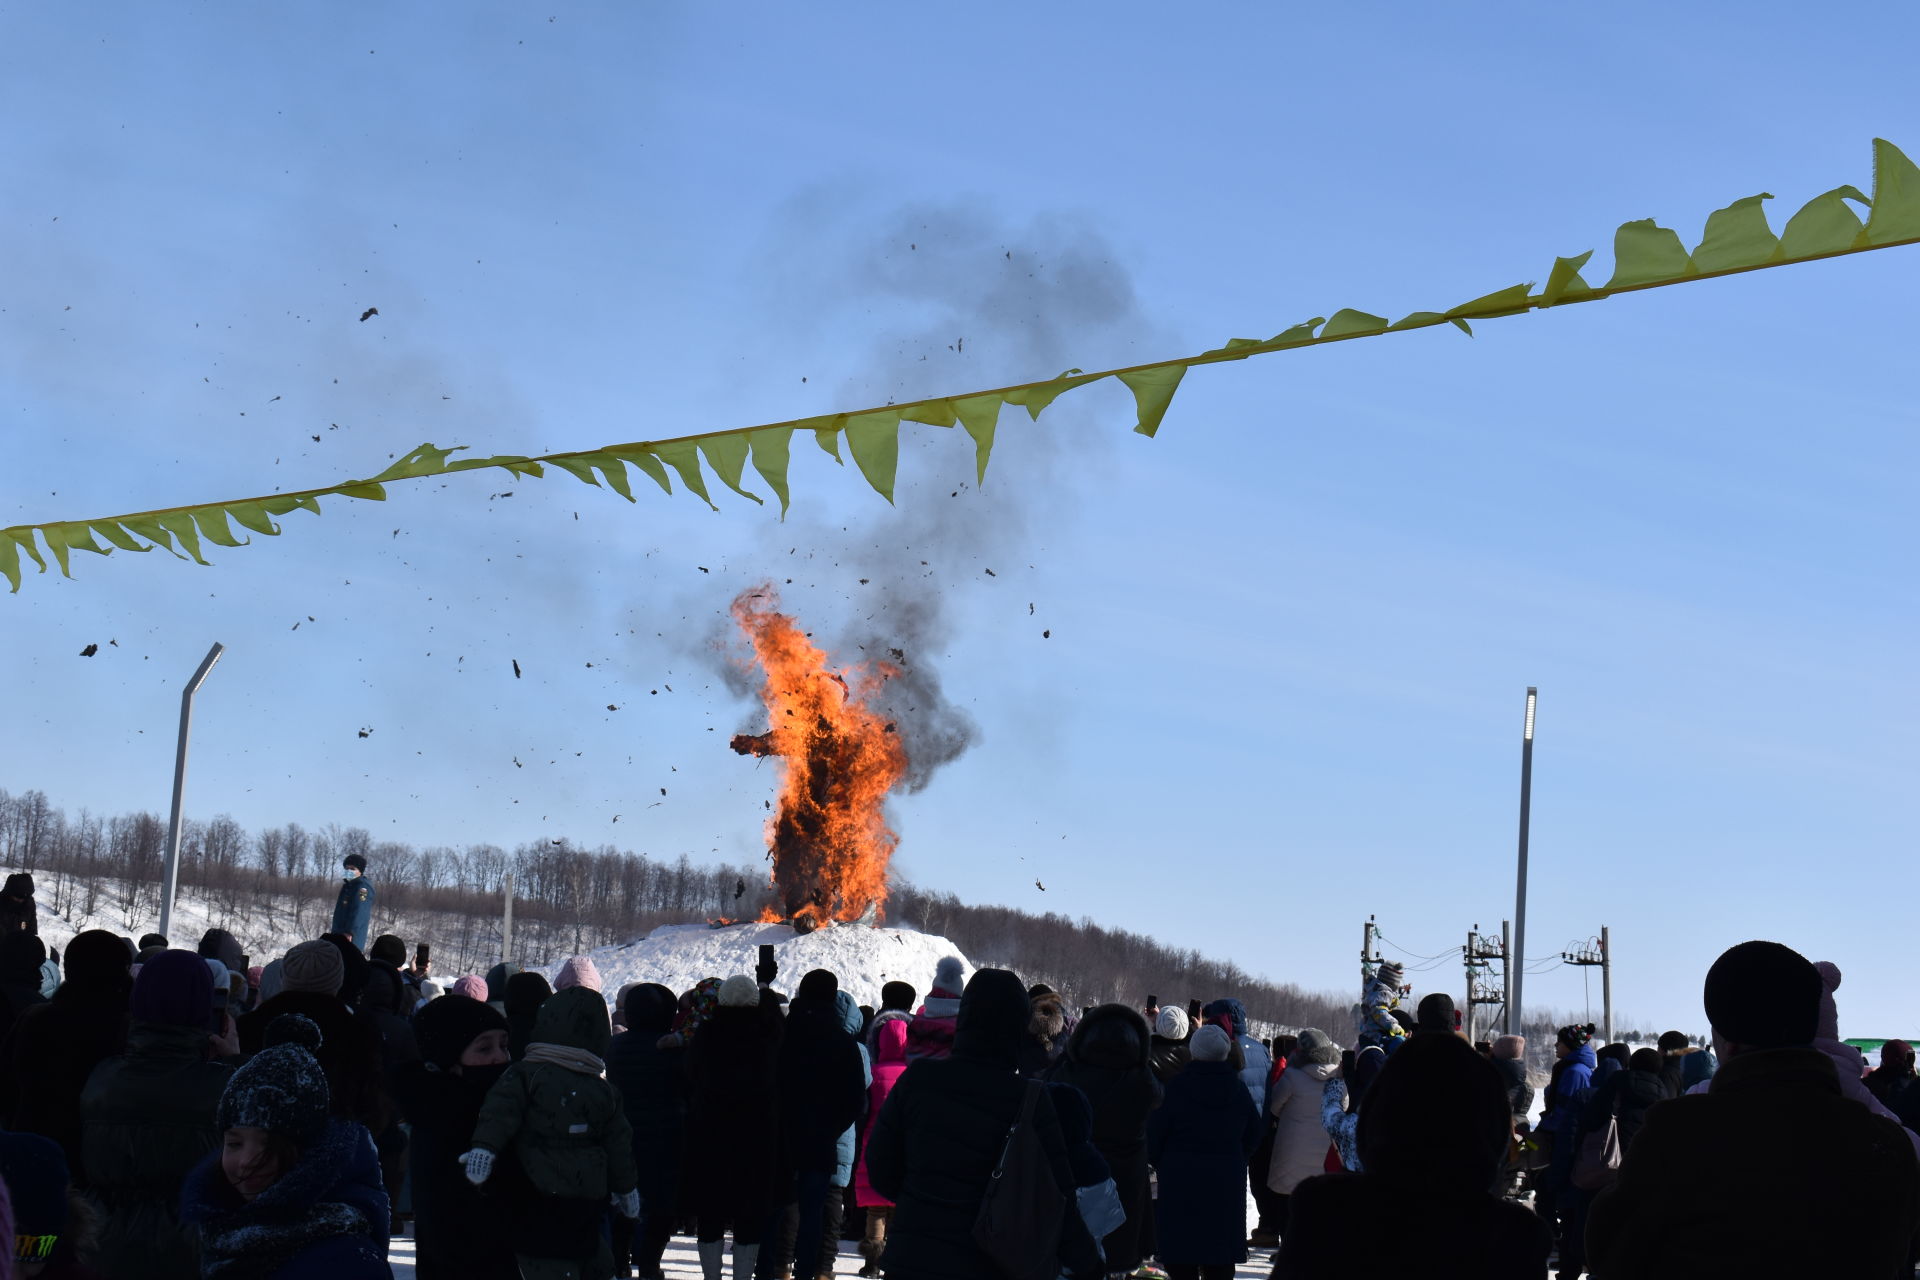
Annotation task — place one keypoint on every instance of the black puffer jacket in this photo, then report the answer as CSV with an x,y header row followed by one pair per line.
x,y
1107,1060
934,1146
1634,1092
147,1119
384,1010
1169,1058
820,1083
653,1087
732,1114
349,1054
460,1232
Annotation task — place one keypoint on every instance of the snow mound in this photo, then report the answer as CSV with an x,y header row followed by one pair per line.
x,y
864,959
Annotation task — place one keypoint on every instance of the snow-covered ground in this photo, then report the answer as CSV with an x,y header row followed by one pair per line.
x,y
863,958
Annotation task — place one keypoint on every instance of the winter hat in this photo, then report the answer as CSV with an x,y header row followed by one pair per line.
x,y
949,975
446,1027
1210,1044
1828,1029
98,969
649,1007
1672,1042
898,995
1391,973
992,1020
354,972
1366,1066
578,971
273,978
1039,989
497,980
1315,1049
1435,1013
471,987
1172,1023
357,861
389,949
1576,1035
430,990
1896,1055
1764,995
1437,1117
1510,1047
218,944
150,940
739,992
280,1089
174,989
19,885
819,986
526,992
313,966
35,1170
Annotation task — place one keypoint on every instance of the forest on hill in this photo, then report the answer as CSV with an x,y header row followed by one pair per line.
x,y
278,883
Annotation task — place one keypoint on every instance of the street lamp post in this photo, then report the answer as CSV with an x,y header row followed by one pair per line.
x,y
1516,963
172,871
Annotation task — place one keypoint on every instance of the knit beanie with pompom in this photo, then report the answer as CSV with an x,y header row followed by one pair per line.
x,y
281,1089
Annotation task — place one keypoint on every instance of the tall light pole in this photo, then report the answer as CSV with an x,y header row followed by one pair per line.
x,y
1516,963
172,872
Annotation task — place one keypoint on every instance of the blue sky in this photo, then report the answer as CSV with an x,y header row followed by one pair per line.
x,y
1289,638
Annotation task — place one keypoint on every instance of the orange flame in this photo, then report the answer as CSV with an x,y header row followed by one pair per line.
x,y
828,838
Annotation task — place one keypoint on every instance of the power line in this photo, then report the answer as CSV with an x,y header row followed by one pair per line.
x,y
1448,954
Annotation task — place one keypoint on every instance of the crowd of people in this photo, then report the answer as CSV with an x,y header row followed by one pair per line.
x,y
173,1113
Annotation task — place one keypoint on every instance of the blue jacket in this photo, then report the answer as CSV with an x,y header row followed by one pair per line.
x,y
1575,1077
325,1219
847,1147
353,910
1259,1065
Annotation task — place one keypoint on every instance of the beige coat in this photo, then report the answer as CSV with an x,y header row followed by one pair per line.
x,y
1300,1142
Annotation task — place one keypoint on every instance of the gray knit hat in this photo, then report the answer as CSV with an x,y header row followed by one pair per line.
x,y
1316,1049
739,992
1210,1044
280,1089
313,966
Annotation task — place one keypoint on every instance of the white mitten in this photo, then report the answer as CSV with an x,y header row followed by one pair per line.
x,y
478,1164
628,1203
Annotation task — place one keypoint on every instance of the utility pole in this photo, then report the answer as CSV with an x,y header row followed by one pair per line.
x,y
1367,958
506,921
1590,955
1518,970
1506,978
1482,987
1606,981
171,873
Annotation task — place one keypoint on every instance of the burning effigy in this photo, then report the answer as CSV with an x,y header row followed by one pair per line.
x,y
839,757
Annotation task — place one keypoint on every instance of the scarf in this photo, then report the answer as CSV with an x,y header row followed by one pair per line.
x,y
565,1056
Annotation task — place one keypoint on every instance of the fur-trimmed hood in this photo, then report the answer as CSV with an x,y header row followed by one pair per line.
x,y
1110,1035
881,1019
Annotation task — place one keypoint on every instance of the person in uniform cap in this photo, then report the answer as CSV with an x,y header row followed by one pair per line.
x,y
353,909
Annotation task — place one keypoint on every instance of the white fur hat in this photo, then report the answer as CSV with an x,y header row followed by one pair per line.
x,y
739,992
1172,1024
1210,1044
949,974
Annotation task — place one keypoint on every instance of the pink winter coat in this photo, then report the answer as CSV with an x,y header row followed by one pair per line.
x,y
890,1061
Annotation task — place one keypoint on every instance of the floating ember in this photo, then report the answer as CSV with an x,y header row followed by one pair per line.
x,y
828,838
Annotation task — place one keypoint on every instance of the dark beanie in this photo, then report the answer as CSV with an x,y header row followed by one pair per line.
x,y
1763,995
1435,1012
280,1089
898,995
819,984
649,1007
526,992
150,940
445,1027
35,1169
174,989
97,962
355,971
390,949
